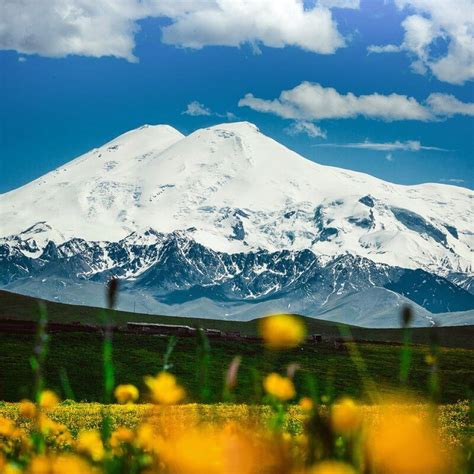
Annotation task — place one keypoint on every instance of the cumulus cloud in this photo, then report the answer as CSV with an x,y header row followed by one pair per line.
x,y
433,21
196,109
57,28
305,128
313,102
409,145
272,23
447,105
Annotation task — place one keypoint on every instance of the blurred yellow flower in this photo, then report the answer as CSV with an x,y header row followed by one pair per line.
x,y
146,437
306,404
65,464
27,409
50,427
121,435
126,393
164,389
11,469
346,416
48,399
430,359
7,427
90,443
192,452
282,331
405,443
279,387
217,450
332,467
46,424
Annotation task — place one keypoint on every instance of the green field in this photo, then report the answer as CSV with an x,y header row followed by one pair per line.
x,y
335,371
18,307
79,355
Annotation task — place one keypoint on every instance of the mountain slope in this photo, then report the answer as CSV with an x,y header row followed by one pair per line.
x,y
238,190
231,216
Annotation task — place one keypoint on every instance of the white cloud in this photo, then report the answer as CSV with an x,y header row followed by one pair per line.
x,y
228,116
433,21
389,157
447,105
452,180
352,4
312,102
21,59
388,48
194,108
57,28
309,101
307,128
272,23
409,145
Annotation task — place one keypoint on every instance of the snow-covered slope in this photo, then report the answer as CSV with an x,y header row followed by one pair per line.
x,y
239,190
236,192
94,196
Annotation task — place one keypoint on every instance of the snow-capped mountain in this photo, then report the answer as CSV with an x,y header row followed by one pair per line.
x,y
227,217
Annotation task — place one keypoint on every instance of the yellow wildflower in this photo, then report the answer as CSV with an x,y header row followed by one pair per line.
x,y
48,399
164,389
11,469
279,387
90,443
7,427
306,404
404,442
346,416
332,467
49,426
145,438
27,409
40,465
126,393
282,331
430,359
216,451
121,435
65,464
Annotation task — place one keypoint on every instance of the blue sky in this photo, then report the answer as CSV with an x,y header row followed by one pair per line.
x,y
401,112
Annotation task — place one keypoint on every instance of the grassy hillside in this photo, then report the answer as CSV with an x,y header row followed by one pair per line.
x,y
13,306
79,355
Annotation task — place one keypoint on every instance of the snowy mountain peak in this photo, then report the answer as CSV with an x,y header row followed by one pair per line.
x,y
147,131
237,127
233,189
143,139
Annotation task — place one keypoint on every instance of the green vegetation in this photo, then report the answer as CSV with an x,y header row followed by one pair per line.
x,y
276,372
79,356
18,307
